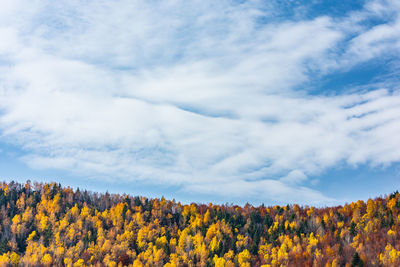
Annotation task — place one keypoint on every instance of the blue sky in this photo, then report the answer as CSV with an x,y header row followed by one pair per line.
x,y
269,102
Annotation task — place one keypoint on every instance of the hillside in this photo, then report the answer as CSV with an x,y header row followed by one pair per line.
x,y
46,224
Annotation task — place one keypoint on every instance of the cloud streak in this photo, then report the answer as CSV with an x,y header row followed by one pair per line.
x,y
202,98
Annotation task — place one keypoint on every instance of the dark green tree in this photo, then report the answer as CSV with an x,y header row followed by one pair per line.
x,y
356,261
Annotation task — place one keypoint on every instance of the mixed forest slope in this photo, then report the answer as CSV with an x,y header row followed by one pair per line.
x,y
47,225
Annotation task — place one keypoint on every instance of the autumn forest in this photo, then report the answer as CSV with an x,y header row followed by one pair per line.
x,y
51,225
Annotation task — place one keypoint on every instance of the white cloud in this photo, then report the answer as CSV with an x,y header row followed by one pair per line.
x,y
270,190
203,97
294,177
376,41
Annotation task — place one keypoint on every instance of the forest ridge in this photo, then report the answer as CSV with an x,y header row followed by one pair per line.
x,y
51,225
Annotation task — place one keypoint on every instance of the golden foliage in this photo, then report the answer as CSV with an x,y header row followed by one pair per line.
x,y
47,225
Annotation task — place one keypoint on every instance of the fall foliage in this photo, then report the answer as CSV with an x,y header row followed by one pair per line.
x,y
47,225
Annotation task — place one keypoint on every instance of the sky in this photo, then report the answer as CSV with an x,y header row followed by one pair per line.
x,y
270,102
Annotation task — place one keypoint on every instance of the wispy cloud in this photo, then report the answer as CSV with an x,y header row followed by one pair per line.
x,y
211,97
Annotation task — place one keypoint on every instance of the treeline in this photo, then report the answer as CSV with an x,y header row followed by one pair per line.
x,y
50,225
